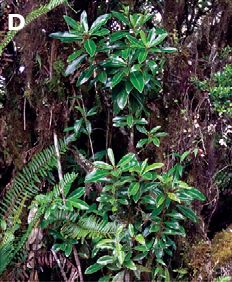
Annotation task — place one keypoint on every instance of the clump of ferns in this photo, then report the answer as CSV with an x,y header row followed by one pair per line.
x,y
24,187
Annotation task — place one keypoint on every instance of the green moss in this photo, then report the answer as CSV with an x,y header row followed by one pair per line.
x,y
56,84
221,248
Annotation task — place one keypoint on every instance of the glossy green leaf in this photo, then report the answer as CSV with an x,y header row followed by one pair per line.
x,y
122,98
126,160
130,265
134,42
195,194
117,35
168,50
99,22
133,189
148,199
117,78
103,165
72,23
142,142
93,268
102,77
84,21
184,156
136,79
188,212
77,203
68,250
74,65
74,55
155,39
131,230
65,36
156,141
173,197
155,228
85,76
142,56
120,253
105,260
101,32
176,215
90,47
143,37
121,17
160,200
174,232
139,238
110,154
96,175
79,192
153,167
105,244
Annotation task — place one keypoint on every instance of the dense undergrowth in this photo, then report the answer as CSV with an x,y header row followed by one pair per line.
x,y
130,191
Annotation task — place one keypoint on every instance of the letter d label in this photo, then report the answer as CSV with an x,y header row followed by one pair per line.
x,y
11,22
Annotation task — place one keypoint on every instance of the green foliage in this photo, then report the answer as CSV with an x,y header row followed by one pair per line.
x,y
55,84
12,246
26,183
24,188
220,90
121,62
89,227
152,207
131,220
134,218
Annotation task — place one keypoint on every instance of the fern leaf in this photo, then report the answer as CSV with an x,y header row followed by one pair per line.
x,y
89,227
26,183
30,18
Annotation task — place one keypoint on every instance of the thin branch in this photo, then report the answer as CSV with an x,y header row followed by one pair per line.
x,y
85,164
60,266
24,114
78,263
60,174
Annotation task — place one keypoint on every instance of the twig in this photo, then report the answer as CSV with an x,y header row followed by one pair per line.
x,y
78,263
56,144
60,266
86,123
60,174
85,164
24,114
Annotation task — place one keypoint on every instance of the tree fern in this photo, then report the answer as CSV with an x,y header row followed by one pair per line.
x,y
30,18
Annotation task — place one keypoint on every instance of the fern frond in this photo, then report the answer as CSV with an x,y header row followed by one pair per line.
x,y
26,183
89,227
12,248
30,18
9,251
64,185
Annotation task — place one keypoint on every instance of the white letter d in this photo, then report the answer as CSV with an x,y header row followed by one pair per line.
x,y
11,22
